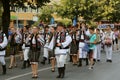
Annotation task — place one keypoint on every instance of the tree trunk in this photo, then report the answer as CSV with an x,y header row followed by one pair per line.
x,y
5,16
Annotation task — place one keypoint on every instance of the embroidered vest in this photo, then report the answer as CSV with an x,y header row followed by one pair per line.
x,y
46,37
24,37
51,35
36,46
82,36
62,38
1,37
73,36
1,41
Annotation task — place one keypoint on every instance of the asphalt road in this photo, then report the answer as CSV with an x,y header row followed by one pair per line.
x,y
102,71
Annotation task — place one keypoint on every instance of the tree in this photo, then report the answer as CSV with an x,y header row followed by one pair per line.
x,y
68,9
0,14
46,13
16,3
115,14
5,15
90,10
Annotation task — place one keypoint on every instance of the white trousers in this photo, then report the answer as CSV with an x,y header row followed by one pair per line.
x,y
25,53
45,54
108,51
2,60
82,54
97,52
61,60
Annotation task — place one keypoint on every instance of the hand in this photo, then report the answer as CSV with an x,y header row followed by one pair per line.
x,y
58,44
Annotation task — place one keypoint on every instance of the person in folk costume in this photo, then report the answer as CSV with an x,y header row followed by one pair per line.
x,y
19,31
51,47
14,39
3,44
35,45
116,33
25,47
68,29
77,40
91,42
73,45
108,38
102,39
82,38
62,42
45,54
97,51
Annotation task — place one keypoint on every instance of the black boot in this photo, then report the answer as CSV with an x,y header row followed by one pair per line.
x,y
94,60
24,65
43,61
48,61
70,58
80,63
4,69
63,72
28,63
59,73
87,63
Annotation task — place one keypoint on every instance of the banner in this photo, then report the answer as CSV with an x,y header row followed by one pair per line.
x,y
103,26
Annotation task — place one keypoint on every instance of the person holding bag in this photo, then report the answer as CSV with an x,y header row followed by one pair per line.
x,y
92,45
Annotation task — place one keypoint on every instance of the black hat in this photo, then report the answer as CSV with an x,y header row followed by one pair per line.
x,y
27,26
92,28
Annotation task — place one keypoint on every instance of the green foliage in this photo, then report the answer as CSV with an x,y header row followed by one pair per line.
x,y
94,10
21,3
45,17
66,22
45,14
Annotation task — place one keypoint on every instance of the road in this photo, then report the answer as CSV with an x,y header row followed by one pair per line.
x,y
102,71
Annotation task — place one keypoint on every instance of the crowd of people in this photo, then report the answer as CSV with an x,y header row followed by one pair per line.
x,y
79,42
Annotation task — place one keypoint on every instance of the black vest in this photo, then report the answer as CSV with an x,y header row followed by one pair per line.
x,y
37,45
84,35
62,39
1,37
24,36
1,41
